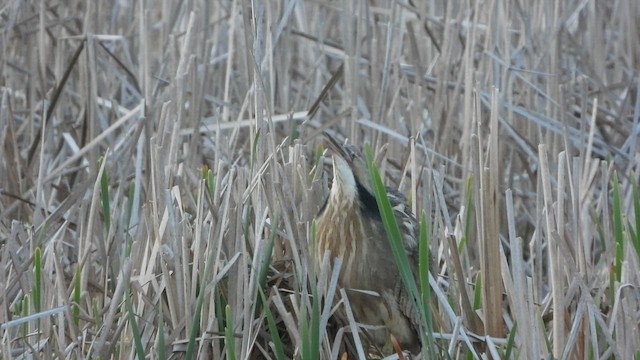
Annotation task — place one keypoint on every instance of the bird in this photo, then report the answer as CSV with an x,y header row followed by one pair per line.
x,y
350,227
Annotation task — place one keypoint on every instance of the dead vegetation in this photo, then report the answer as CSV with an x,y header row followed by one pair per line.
x,y
160,171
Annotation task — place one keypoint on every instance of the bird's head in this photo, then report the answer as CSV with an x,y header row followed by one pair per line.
x,y
350,171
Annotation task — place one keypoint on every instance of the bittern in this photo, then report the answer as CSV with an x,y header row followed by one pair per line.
x,y
350,226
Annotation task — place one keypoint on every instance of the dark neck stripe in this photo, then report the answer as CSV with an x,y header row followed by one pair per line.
x,y
368,204
324,206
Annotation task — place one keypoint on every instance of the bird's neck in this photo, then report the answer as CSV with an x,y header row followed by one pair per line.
x,y
343,196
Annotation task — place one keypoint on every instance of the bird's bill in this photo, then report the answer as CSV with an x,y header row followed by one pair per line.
x,y
335,146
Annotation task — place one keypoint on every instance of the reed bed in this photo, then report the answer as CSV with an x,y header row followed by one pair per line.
x,y
161,165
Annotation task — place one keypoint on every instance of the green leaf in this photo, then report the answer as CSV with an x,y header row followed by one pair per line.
x,y
635,238
254,149
477,293
37,289
396,242
424,285
273,328
304,334
424,260
25,313
76,297
511,341
391,227
469,214
130,196
618,230
228,334
209,179
135,331
104,192
310,329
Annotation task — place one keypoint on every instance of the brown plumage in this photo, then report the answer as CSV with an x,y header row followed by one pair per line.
x,y
350,227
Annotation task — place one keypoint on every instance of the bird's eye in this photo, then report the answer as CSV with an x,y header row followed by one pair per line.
x,y
352,153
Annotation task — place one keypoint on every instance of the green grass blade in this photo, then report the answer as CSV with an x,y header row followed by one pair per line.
x,y
315,323
76,297
195,324
254,149
635,238
278,348
425,289
469,214
25,313
130,197
220,304
304,334
477,293
393,234
104,195
195,327
37,289
391,227
310,329
229,335
511,342
424,261
618,230
135,331
209,179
